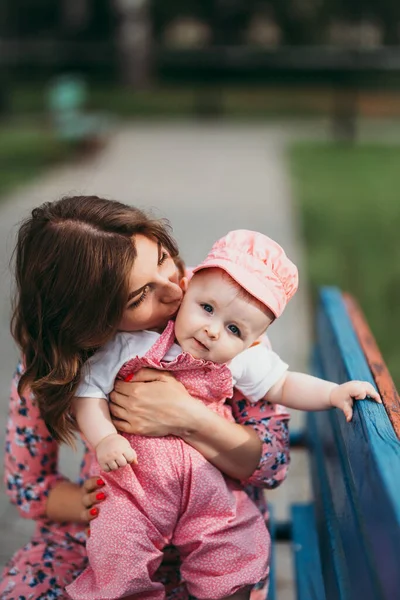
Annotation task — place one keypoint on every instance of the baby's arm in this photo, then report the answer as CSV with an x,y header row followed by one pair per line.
x,y
304,392
90,406
94,421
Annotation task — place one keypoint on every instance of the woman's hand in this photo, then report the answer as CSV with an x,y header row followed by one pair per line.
x,y
154,404
70,502
92,494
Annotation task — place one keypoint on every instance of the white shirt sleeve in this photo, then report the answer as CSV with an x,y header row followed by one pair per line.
x,y
99,372
256,370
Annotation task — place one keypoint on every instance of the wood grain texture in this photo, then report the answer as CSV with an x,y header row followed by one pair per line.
x,y
309,582
355,472
382,377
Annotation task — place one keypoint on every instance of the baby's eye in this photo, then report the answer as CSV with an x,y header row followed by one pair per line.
x,y
235,330
207,307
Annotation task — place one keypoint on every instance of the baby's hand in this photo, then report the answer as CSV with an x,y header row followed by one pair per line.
x,y
114,452
343,395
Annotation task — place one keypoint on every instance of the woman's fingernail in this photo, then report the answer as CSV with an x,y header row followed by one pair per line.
x,y
129,377
100,482
88,533
93,511
100,496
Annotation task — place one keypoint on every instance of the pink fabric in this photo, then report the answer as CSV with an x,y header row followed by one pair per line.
x,y
258,264
175,496
56,553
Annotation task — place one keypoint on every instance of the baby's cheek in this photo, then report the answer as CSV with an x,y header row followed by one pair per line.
x,y
180,331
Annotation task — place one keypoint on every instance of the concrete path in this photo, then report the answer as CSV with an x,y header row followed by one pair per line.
x,y
207,179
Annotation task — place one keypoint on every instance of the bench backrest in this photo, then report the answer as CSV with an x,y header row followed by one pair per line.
x,y
355,472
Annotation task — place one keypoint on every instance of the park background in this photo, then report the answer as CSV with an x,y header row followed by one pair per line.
x,y
288,110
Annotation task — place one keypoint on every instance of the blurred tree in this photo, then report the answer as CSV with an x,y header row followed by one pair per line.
x,y
301,21
31,17
75,14
65,19
389,16
163,13
384,13
229,19
134,41
3,70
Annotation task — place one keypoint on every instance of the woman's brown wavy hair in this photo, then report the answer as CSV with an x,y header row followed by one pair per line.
x,y
73,258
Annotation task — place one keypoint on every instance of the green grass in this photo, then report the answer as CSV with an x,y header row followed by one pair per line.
x,y
350,209
25,151
182,101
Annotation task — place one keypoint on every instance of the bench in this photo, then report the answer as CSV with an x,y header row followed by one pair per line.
x,y
66,99
346,543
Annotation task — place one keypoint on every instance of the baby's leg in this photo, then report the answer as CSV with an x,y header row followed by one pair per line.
x,y
125,547
222,538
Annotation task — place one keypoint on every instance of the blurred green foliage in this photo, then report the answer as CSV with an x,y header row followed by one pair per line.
x,y
25,152
349,206
300,23
181,101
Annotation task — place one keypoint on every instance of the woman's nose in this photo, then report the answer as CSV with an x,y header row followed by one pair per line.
x,y
170,292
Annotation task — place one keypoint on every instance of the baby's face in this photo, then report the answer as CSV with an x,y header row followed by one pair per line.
x,y
214,322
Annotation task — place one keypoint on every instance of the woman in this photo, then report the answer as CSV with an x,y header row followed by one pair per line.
x,y
254,450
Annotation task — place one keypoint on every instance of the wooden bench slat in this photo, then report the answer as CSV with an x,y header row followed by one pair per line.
x,y
383,379
308,573
334,566
346,561
362,464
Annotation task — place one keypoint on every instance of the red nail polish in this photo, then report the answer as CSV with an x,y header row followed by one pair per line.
x,y
88,533
100,482
94,511
100,496
129,377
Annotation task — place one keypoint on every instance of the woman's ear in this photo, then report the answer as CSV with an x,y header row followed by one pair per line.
x,y
184,283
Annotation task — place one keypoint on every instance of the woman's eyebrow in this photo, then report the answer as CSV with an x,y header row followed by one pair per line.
x,y
136,292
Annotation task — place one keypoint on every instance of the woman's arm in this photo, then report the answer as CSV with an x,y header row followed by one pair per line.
x,y
255,449
31,455
33,482
234,449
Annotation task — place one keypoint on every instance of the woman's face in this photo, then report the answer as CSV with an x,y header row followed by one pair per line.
x,y
154,291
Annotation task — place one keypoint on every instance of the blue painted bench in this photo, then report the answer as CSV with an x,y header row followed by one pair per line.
x,y
346,543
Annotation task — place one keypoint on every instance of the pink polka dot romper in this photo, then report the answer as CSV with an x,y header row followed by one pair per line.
x,y
174,496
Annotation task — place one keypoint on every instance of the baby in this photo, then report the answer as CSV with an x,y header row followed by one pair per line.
x,y
243,285
233,297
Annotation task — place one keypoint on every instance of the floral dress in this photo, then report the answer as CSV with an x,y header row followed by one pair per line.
x,y
56,554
